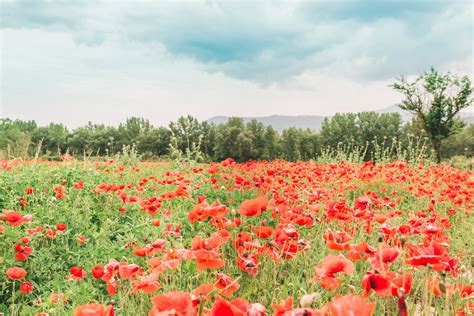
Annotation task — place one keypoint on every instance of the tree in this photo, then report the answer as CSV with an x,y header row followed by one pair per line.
x,y
53,138
128,133
381,129
15,138
226,140
155,142
459,144
435,99
209,132
309,144
256,132
271,140
186,134
290,144
340,129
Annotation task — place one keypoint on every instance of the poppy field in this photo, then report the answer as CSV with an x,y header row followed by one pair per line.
x,y
256,238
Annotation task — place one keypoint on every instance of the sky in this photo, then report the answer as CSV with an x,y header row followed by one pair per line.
x,y
75,62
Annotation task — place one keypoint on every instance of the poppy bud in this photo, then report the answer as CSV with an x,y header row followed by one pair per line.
x,y
442,287
308,299
402,306
61,227
403,241
26,287
97,271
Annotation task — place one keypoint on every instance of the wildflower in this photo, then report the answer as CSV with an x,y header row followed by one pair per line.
x,y
26,287
351,305
325,273
172,303
94,310
226,284
76,274
16,273
253,207
15,218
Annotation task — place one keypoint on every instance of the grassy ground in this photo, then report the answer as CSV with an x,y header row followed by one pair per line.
x,y
299,194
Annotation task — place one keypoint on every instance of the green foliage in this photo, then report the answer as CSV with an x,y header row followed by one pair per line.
x,y
435,99
378,137
361,130
15,138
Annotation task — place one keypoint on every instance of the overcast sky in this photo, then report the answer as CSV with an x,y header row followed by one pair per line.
x,y
74,62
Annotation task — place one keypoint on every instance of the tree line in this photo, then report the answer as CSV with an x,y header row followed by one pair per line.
x,y
434,100
364,131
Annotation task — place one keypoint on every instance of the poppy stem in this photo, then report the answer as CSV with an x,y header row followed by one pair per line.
x,y
201,306
13,297
427,290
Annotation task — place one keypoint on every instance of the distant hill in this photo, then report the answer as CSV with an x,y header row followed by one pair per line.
x,y
280,122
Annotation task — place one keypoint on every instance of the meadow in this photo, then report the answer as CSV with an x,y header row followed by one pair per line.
x,y
227,238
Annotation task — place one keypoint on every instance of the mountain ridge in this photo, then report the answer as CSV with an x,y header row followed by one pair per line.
x,y
313,122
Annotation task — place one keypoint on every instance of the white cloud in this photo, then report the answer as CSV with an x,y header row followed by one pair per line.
x,y
107,61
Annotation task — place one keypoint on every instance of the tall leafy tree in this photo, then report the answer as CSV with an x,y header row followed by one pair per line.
x,y
436,99
271,148
53,138
341,128
155,142
128,132
208,144
256,131
290,144
309,144
186,133
226,141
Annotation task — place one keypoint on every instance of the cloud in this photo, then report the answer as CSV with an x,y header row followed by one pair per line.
x,y
270,42
72,62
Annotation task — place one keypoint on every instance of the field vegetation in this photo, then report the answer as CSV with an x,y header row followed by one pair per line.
x,y
256,238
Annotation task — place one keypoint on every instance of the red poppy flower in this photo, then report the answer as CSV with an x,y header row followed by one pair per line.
x,y
175,303
94,310
97,271
16,273
26,287
283,307
76,274
376,282
226,284
146,284
22,252
383,257
253,207
325,273
207,259
362,203
61,227
203,210
15,218
351,305
404,282
223,308
264,231
126,271
202,292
